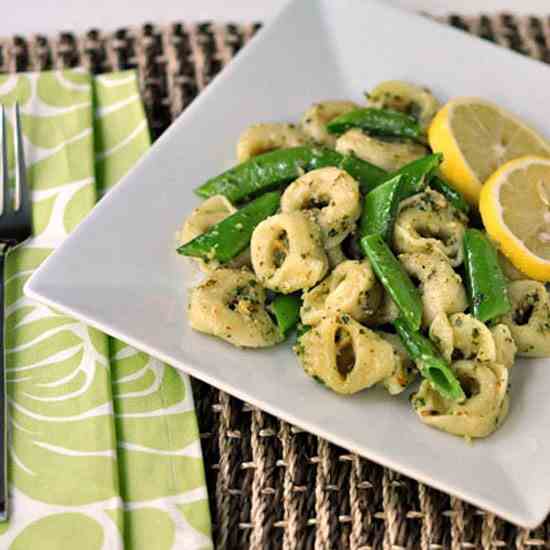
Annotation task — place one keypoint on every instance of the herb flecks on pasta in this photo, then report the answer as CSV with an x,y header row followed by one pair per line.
x,y
230,304
529,319
344,355
287,252
262,138
332,195
351,239
387,154
351,288
483,410
407,98
315,120
440,286
462,336
427,222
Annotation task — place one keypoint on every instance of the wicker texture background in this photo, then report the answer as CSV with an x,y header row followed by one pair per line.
x,y
272,485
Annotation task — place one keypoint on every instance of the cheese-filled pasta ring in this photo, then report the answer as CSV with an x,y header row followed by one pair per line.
x,y
462,336
441,288
230,304
317,117
335,256
332,195
505,346
427,221
351,288
212,211
485,407
344,355
386,313
529,319
407,98
287,252
405,369
388,155
262,138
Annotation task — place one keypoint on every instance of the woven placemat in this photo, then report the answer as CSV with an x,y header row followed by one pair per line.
x,y
272,485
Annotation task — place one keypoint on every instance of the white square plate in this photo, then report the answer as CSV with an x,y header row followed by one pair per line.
x,y
119,271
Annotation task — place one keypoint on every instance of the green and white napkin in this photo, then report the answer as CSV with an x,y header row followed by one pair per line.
x,y
104,450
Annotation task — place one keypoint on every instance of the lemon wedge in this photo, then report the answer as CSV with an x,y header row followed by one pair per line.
x,y
476,137
515,207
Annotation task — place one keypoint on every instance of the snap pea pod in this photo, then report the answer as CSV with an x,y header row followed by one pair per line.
x,y
286,310
367,175
382,203
485,281
224,240
430,364
380,208
276,168
380,122
394,278
452,195
417,173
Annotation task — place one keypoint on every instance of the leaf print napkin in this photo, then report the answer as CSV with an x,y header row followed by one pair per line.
x,y
104,451
160,461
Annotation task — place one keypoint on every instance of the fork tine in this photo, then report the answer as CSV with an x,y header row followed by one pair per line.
x,y
4,178
22,194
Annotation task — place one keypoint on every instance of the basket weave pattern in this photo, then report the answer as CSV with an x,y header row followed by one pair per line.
x,y
272,485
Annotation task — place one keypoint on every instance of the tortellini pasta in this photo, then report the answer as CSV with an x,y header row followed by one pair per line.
x,y
265,137
351,288
405,97
509,270
405,371
335,256
389,155
427,222
387,312
529,320
287,252
209,213
441,288
315,120
505,347
344,355
462,336
332,195
230,304
485,407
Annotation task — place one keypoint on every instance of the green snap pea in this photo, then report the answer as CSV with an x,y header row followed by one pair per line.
x,y
452,195
367,175
382,203
417,173
485,281
429,362
276,168
286,310
394,278
378,122
380,208
224,240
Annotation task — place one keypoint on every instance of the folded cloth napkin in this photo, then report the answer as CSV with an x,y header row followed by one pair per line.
x,y
104,450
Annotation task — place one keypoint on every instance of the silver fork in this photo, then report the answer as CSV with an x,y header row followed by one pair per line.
x,y
15,228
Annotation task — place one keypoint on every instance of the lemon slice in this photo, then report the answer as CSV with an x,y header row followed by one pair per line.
x,y
476,137
515,208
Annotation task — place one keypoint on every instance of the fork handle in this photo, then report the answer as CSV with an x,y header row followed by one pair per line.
x,y
3,396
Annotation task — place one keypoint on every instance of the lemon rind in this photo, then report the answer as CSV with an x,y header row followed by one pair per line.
x,y
491,212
